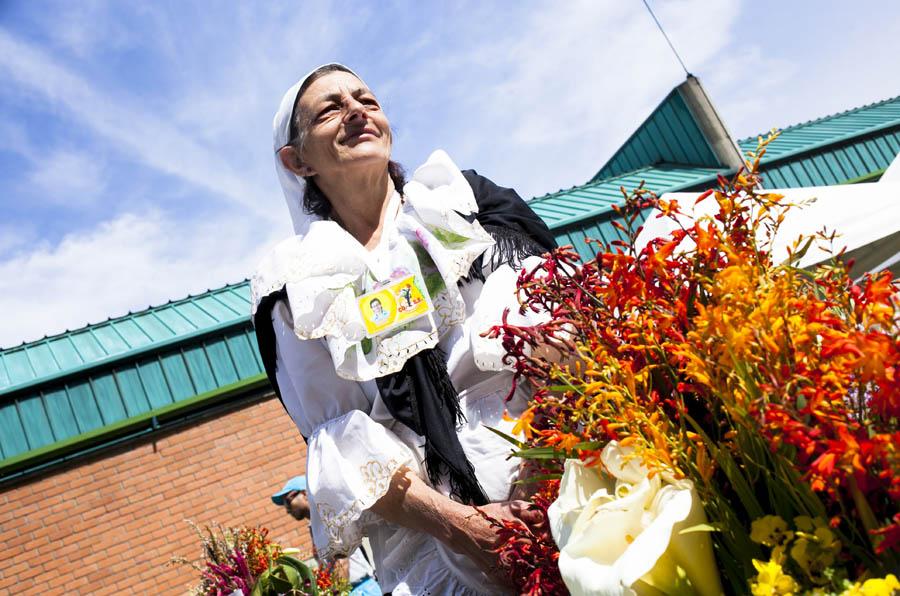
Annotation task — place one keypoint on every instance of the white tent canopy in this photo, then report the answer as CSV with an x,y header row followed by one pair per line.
x,y
865,216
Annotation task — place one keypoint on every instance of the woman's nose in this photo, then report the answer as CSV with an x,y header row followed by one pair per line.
x,y
354,109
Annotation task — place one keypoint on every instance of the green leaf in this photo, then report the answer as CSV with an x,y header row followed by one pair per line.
x,y
291,570
798,254
434,283
566,387
589,445
447,237
507,437
540,453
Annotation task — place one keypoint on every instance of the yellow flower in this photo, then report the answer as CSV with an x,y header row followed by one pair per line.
x,y
815,548
523,423
875,587
770,530
771,580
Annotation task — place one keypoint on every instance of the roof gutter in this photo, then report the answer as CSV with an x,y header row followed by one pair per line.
x,y
154,421
111,361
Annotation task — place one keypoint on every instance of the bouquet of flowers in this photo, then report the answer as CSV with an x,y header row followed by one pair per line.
x,y
711,420
246,561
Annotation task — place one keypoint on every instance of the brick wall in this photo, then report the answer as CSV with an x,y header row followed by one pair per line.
x,y
108,525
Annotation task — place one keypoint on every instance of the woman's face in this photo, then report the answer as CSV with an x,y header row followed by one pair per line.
x,y
344,126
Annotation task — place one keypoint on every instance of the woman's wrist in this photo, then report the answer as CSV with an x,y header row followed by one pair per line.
x,y
411,503
454,527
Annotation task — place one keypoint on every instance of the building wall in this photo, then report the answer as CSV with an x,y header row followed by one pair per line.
x,y
110,524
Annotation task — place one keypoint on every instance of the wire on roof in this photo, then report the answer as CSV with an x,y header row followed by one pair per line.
x,y
668,41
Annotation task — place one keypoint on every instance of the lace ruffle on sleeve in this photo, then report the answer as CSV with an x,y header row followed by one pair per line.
x,y
349,467
350,457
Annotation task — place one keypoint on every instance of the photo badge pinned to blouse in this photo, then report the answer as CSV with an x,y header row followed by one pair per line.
x,y
392,304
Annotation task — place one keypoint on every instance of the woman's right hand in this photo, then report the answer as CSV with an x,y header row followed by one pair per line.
x,y
477,538
411,503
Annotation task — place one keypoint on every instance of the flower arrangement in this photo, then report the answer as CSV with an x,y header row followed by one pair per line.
x,y
708,408
245,561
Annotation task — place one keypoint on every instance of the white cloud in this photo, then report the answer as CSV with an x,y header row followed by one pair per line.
x,y
86,27
67,178
126,263
15,238
151,140
542,103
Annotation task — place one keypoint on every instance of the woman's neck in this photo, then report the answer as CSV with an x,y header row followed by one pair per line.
x,y
359,203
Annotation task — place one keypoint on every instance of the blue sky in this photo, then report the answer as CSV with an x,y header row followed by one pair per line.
x,y
136,160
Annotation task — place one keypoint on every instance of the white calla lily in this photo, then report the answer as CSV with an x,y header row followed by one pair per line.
x,y
620,532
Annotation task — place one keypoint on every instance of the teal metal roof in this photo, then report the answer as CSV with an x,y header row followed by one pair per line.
x,y
831,150
669,135
122,337
830,130
567,207
837,163
125,372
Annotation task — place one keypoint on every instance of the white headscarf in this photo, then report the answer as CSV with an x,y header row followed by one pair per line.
x,y
291,184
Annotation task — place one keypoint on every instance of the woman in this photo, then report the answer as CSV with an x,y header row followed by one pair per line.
x,y
395,411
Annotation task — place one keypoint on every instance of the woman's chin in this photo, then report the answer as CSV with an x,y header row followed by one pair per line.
x,y
365,153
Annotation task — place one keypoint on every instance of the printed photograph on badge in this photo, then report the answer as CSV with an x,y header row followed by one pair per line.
x,y
393,304
379,310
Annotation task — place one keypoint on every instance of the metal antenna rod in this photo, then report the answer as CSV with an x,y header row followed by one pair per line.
x,y
668,41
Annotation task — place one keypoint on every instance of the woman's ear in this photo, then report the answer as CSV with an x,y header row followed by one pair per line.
x,y
291,160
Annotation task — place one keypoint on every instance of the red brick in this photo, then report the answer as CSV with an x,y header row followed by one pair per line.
x,y
120,517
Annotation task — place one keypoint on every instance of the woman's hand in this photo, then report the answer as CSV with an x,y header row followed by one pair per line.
x,y
477,538
411,503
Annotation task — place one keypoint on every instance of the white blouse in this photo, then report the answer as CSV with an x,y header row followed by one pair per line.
x,y
328,388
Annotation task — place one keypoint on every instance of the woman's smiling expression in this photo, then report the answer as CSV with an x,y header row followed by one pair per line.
x,y
343,126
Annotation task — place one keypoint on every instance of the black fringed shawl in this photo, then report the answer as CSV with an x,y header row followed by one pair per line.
x,y
421,394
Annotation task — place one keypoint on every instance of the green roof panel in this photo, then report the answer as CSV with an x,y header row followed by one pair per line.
x,y
670,134
12,439
596,198
830,130
35,422
109,402
59,412
115,339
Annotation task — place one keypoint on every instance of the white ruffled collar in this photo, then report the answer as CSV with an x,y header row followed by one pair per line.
x,y
325,270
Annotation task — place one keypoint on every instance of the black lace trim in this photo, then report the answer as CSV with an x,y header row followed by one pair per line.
x,y
511,248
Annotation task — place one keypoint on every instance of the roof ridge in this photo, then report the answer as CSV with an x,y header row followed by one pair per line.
x,y
149,309
867,106
656,166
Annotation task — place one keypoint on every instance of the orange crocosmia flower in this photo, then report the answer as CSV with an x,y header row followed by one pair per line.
x,y
556,438
669,207
706,239
523,423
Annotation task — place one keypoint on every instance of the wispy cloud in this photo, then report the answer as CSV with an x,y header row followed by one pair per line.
x,y
150,139
540,103
126,263
67,178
